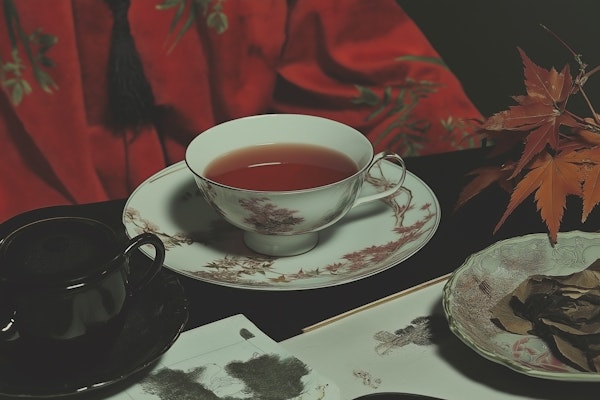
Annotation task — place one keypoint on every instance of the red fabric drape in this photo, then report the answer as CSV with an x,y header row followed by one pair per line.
x,y
343,60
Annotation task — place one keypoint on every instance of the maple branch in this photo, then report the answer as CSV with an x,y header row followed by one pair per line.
x,y
576,117
576,56
583,75
589,104
560,40
592,72
585,123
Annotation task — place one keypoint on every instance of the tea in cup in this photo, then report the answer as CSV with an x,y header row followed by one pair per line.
x,y
65,283
282,178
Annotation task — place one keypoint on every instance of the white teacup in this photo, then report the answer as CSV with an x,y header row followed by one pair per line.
x,y
284,222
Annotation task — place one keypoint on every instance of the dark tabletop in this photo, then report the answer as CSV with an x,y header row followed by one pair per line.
x,y
283,314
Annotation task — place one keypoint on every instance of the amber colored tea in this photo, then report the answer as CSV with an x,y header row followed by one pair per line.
x,y
281,167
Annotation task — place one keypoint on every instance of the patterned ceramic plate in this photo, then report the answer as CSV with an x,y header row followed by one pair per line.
x,y
200,244
491,274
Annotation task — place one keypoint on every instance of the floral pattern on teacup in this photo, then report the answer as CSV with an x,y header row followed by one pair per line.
x,y
267,218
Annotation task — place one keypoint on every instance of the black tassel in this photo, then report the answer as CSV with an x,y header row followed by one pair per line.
x,y
130,97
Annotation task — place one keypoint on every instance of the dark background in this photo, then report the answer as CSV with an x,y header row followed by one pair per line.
x,y
480,38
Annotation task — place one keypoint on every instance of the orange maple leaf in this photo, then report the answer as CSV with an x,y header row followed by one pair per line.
x,y
589,160
589,134
551,178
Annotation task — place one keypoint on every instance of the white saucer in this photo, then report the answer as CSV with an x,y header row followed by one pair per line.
x,y
201,245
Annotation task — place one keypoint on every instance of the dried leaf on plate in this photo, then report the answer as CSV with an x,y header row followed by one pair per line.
x,y
563,310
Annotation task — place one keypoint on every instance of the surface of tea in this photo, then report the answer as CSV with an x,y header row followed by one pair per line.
x,y
281,167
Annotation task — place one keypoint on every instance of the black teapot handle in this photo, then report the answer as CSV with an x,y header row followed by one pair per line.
x,y
9,331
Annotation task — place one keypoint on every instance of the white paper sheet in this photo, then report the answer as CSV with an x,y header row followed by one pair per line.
x,y
232,359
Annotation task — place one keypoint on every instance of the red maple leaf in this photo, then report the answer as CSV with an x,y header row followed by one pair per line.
x,y
541,112
485,177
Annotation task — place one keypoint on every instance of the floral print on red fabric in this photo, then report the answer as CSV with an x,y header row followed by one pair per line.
x,y
34,45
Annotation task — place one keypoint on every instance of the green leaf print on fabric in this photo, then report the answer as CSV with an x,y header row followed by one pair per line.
x,y
399,102
35,45
211,9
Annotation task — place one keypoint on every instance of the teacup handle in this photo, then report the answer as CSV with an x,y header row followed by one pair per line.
x,y
384,155
159,257
8,329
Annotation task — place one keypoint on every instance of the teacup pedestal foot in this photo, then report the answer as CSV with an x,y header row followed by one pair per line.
x,y
281,245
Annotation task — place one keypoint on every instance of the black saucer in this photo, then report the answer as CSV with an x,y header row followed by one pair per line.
x,y
395,396
157,316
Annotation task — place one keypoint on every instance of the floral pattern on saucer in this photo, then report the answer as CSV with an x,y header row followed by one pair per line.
x,y
200,244
489,275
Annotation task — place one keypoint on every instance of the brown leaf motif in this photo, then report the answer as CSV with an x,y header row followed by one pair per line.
x,y
421,331
267,218
142,225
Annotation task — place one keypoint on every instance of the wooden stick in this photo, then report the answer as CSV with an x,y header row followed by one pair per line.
x,y
376,303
